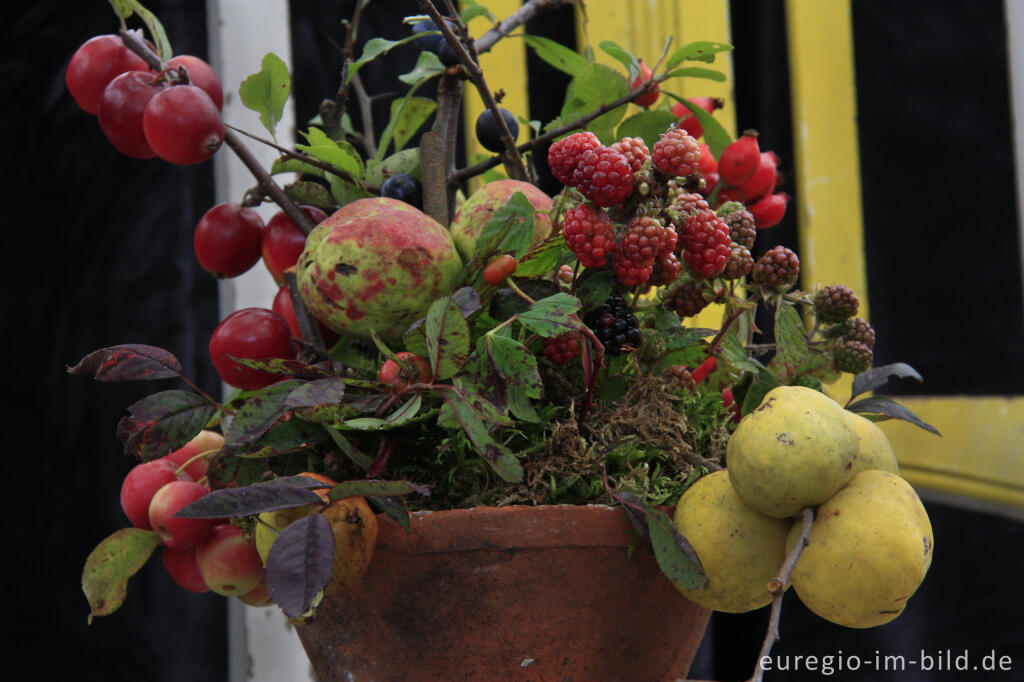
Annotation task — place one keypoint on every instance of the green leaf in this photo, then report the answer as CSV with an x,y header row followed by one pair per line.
x,y
341,155
393,509
374,488
362,461
542,259
311,194
471,9
648,125
405,161
622,55
497,455
736,354
345,192
592,87
447,336
700,51
427,66
163,422
374,48
551,316
109,566
510,229
793,357
407,117
758,389
259,413
283,165
558,56
889,408
698,72
676,557
717,137
125,8
266,91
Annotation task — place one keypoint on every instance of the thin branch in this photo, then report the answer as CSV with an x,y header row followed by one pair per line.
x,y
515,166
308,326
522,15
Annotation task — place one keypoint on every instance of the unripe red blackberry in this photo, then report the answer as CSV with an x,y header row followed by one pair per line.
x,y
666,270
854,329
590,234
741,227
614,325
635,150
728,207
677,153
835,303
604,176
563,349
777,270
851,356
685,202
679,378
686,298
564,154
706,243
740,262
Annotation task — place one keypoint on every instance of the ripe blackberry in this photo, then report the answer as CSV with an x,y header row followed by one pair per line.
x,y
686,298
851,356
614,325
666,271
854,329
676,154
740,262
604,176
777,270
679,378
741,226
563,349
590,234
706,243
835,303
564,154
635,150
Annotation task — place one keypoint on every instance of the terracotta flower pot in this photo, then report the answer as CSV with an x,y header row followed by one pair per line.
x,y
513,593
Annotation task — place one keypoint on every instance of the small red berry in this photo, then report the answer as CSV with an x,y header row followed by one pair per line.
x,y
227,239
590,234
677,153
769,211
650,97
740,160
689,122
98,61
704,369
635,150
400,376
563,349
564,154
498,269
183,125
729,403
604,176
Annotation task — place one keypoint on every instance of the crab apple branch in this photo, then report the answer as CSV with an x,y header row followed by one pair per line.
x,y
133,40
515,166
522,15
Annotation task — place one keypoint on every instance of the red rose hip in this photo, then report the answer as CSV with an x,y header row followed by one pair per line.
x,y
498,269
740,160
252,333
648,98
182,125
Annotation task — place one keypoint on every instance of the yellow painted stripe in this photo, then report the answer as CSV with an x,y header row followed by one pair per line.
x,y
825,143
504,66
980,454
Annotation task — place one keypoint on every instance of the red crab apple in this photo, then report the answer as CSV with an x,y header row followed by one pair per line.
x,y
283,306
183,125
283,241
182,567
227,239
201,75
98,61
141,484
178,533
258,596
205,440
376,265
121,109
253,333
228,562
471,218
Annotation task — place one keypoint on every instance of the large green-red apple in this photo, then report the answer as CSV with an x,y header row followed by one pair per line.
x,y
471,218
376,265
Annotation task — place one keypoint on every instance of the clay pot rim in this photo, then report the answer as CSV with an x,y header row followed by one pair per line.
x,y
508,527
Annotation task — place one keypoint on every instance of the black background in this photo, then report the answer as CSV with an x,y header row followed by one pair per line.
x,y
97,251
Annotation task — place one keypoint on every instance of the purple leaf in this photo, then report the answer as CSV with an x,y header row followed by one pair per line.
x,y
128,362
299,564
375,488
281,493
163,422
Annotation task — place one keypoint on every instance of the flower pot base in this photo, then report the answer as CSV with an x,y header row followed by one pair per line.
x,y
513,593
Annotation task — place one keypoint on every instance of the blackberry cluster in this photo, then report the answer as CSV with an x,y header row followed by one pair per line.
x,y
852,356
740,262
777,270
855,329
741,226
835,303
679,378
614,325
563,349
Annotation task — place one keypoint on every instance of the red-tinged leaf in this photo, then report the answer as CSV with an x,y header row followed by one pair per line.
x,y
281,493
447,337
260,412
284,367
109,566
163,422
317,392
299,564
375,488
676,557
129,362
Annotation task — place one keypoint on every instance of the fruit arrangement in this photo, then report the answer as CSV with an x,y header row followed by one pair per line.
x,y
428,350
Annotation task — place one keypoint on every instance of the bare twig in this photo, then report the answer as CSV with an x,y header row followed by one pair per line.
x,y
307,323
528,11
